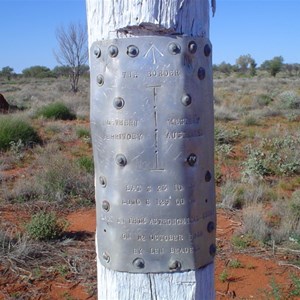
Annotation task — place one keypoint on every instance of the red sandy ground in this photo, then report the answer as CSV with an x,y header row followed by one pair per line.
x,y
250,281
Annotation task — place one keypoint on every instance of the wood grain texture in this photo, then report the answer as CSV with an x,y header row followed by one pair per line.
x,y
189,17
192,285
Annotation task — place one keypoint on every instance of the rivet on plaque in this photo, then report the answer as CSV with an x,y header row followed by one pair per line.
x,y
175,265
106,257
132,51
201,73
174,48
207,176
192,47
102,181
192,159
121,160
105,205
139,263
186,100
100,80
210,226
113,50
212,250
207,50
119,103
97,51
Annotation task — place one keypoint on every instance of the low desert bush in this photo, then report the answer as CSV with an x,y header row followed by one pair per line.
x,y
263,100
289,100
45,226
63,180
15,129
56,111
250,121
254,223
273,156
86,163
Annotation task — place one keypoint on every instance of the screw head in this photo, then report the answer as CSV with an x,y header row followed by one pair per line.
x,y
207,176
113,51
132,51
192,47
186,100
97,51
106,257
212,250
102,181
100,79
139,263
175,265
174,48
207,50
119,103
121,160
210,227
105,205
201,73
192,159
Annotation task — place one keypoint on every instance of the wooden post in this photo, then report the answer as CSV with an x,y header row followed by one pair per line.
x,y
107,20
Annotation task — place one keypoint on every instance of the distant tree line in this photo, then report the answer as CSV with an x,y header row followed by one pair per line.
x,y
42,72
246,66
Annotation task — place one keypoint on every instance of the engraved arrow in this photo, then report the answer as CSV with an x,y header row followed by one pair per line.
x,y
154,52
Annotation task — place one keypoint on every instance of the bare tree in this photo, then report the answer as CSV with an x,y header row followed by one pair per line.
x,y
73,51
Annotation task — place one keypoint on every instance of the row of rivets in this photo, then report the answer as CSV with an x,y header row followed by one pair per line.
x,y
119,102
133,51
175,265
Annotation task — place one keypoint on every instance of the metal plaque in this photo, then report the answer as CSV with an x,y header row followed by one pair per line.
x,y
152,133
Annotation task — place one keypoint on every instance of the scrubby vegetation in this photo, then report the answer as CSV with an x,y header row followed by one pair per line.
x,y
46,163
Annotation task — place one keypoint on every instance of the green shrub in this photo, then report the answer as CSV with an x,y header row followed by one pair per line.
x,y
45,226
226,136
13,130
63,180
83,132
86,163
289,100
263,100
273,156
250,121
56,111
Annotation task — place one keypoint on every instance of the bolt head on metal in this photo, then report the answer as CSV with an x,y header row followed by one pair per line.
x,y
186,100
207,50
175,265
119,103
139,263
174,48
201,73
113,51
105,205
192,47
212,250
132,51
102,181
100,79
210,227
97,51
106,257
207,176
121,160
192,159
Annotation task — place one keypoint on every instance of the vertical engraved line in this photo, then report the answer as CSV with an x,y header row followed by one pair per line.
x,y
156,127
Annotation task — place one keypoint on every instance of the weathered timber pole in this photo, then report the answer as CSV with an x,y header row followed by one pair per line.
x,y
152,133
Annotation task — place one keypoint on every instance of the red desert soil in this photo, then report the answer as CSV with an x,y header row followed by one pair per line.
x,y
250,280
